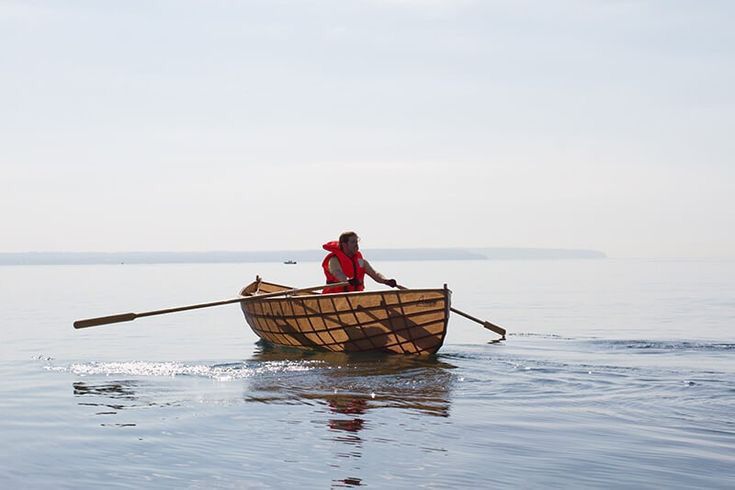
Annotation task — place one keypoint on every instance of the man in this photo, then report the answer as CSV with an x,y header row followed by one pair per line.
x,y
345,263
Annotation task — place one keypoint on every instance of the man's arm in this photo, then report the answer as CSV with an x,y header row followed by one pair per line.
x,y
377,276
336,269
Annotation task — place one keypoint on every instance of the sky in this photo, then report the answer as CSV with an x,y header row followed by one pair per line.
x,y
255,125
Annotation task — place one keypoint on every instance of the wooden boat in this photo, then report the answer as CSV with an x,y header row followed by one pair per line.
x,y
408,321
402,321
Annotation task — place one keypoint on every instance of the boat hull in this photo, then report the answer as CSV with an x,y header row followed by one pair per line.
x,y
412,321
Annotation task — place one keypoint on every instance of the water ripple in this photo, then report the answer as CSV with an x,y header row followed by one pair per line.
x,y
664,346
221,372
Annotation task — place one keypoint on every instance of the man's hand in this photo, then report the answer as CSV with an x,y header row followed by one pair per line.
x,y
390,282
354,282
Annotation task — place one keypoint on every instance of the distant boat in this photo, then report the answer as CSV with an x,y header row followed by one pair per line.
x,y
289,261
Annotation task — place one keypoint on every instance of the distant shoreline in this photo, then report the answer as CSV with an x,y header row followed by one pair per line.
x,y
214,257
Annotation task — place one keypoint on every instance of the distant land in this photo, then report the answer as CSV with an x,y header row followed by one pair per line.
x,y
374,254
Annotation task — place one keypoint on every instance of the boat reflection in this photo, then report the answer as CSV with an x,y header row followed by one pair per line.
x,y
357,402
352,383
108,398
113,397
355,392
119,395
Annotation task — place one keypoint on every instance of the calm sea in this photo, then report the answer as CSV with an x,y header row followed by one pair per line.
x,y
615,374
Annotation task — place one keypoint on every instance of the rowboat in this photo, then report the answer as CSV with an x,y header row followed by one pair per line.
x,y
407,321
402,321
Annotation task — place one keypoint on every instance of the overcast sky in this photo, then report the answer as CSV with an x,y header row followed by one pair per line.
x,y
254,125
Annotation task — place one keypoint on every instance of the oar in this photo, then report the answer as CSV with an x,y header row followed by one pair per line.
x,y
498,330
129,317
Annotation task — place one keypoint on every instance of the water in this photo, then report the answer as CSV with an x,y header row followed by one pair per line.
x,y
616,373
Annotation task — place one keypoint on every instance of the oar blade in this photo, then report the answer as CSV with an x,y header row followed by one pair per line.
x,y
104,320
498,330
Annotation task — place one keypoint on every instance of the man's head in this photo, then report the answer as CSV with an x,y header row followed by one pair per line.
x,y
348,243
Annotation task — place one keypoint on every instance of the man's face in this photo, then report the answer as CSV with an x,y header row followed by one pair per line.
x,y
351,247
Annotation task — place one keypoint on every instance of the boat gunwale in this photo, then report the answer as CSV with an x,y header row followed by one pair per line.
x,y
349,293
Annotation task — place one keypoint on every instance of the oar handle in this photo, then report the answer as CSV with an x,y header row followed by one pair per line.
x,y
104,320
128,317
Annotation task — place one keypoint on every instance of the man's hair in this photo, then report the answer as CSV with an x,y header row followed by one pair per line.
x,y
345,237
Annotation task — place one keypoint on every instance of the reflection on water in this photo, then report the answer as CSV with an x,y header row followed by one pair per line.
x,y
113,397
347,482
350,386
346,383
347,406
354,383
349,398
115,391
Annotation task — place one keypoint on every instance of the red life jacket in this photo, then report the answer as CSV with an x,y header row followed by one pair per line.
x,y
351,267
